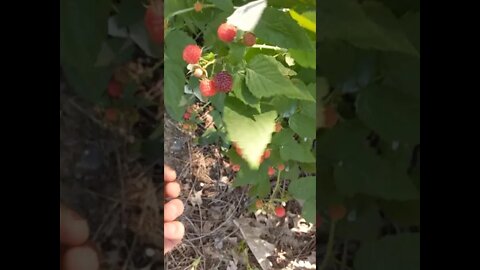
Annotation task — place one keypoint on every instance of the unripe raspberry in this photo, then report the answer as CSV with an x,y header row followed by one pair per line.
x,y
198,72
249,39
271,171
186,116
337,212
259,204
281,167
278,127
192,53
114,89
226,32
207,88
235,167
198,6
266,154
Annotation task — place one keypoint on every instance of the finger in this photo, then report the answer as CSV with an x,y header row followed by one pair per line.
x,y
173,230
81,258
73,228
172,210
172,190
169,175
169,245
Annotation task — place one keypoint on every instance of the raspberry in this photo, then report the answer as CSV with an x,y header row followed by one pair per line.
x,y
319,221
280,211
237,149
154,22
192,53
278,127
198,6
271,171
249,39
266,154
235,167
281,167
259,204
226,32
111,115
114,89
207,88
198,72
223,81
337,212
331,116
186,116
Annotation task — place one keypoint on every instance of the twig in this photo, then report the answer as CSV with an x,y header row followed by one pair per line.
x,y
331,240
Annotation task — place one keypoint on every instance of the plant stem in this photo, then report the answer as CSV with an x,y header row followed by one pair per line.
x,y
178,12
277,185
331,240
268,47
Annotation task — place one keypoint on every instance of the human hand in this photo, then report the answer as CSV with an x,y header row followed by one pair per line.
x,y
173,230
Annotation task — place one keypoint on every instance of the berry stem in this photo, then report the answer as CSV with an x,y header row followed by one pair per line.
x,y
277,185
181,11
268,47
331,240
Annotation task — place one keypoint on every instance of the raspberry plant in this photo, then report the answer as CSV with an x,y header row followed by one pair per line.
x,y
260,83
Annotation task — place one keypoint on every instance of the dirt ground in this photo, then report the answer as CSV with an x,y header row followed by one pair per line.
x,y
121,195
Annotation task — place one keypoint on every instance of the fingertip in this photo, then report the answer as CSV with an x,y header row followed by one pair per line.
x,y
169,174
81,258
172,190
173,230
74,230
172,210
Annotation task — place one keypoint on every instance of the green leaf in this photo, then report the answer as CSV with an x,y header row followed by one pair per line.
x,y
304,58
236,53
278,28
210,136
174,84
251,133
130,11
292,150
365,227
83,28
264,79
391,113
402,72
218,101
308,23
225,5
172,6
398,252
241,91
405,213
304,190
90,84
303,125
336,60
358,169
370,25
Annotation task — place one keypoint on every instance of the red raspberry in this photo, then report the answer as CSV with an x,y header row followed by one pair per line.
x,y
226,32
198,6
281,167
192,53
249,39
111,115
280,211
154,22
238,149
207,88
223,81
331,116
337,212
235,167
259,204
186,116
266,154
271,171
114,89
